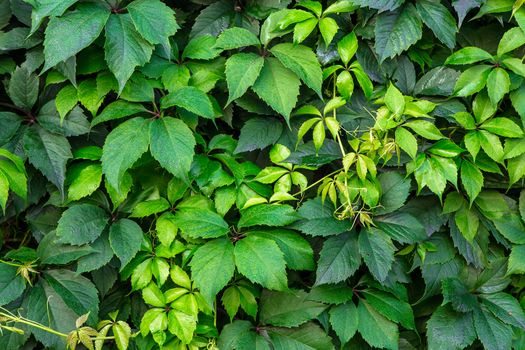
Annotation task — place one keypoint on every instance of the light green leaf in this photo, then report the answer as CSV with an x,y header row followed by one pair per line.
x,y
84,180
278,86
468,55
242,69
425,128
69,34
123,147
191,99
406,141
472,179
302,61
347,47
394,100
491,144
511,40
212,267
125,48
328,28
498,84
66,99
472,80
201,48
503,127
261,261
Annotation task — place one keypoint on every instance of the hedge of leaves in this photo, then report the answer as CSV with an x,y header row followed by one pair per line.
x,y
262,174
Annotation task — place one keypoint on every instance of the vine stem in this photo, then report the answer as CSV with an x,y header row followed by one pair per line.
x,y
318,181
32,324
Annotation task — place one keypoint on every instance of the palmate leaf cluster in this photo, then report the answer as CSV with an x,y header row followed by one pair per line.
x,y
262,174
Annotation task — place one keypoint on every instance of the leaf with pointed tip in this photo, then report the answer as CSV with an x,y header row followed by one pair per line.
x,y
242,70
153,20
338,260
125,237
191,99
377,250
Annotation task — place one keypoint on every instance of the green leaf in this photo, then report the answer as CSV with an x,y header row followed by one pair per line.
x,y
278,86
297,251
492,333
81,224
212,267
289,309
344,320
116,110
425,128
503,127
395,188
517,260
472,80
303,62
505,307
491,145
317,219
172,145
472,179
468,55
67,35
125,237
377,251
347,47
498,84
338,260
48,153
101,255
328,28
259,133
46,8
375,328
511,40
182,325
403,227
84,181
234,38
122,333
123,147
457,294
261,261
51,252
11,284
66,100
396,31
309,336
406,141
4,190
23,88
450,330
395,310
268,214
394,100
201,48
191,99
203,223
77,292
467,222
125,48
439,20
242,69
153,20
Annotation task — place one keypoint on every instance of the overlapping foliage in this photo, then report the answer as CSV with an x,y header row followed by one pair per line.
x,y
262,174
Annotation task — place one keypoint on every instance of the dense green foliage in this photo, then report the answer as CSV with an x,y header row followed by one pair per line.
x,y
262,174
